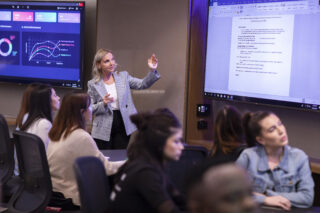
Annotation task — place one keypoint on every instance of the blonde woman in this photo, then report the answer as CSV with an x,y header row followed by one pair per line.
x,y
111,99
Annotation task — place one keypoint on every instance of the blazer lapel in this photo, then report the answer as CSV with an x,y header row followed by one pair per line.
x,y
101,89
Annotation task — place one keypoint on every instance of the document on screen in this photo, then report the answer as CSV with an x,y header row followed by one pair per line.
x,y
261,50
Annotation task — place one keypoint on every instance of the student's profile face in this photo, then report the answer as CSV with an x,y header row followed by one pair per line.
x,y
55,101
273,132
107,64
174,146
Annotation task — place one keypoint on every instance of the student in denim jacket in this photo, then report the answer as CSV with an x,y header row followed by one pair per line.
x,y
280,174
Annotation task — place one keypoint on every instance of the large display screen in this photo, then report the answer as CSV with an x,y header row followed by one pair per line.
x,y
42,41
264,51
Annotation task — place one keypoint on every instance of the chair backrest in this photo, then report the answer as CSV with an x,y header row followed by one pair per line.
x,y
93,184
6,152
178,171
35,193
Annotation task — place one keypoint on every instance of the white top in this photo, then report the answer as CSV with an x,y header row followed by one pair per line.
x,y
112,90
41,128
62,155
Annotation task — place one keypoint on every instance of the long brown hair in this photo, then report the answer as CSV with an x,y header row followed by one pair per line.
x,y
227,131
25,103
69,117
40,105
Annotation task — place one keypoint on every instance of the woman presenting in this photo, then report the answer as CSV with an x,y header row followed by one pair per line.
x,y
111,99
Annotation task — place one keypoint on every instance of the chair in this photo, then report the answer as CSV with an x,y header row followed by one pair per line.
x,y
34,195
93,184
9,184
6,152
178,171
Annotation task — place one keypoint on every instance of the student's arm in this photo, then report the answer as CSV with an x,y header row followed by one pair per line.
x,y
303,197
86,146
150,185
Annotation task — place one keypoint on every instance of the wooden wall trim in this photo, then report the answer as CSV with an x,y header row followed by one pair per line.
x,y
197,52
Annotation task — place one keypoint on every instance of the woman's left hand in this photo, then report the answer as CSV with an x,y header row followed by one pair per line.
x,y
153,62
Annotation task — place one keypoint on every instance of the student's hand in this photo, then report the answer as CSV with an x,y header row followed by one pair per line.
x,y
278,201
153,62
107,99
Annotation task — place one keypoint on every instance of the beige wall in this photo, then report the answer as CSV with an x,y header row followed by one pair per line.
x,y
134,30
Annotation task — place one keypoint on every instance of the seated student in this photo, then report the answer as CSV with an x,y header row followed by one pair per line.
x,y
43,102
25,105
68,141
227,134
223,188
141,185
23,115
280,174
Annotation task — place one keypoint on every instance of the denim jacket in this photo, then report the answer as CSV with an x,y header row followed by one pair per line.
x,y
291,178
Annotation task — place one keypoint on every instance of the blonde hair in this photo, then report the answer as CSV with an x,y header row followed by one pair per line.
x,y
96,72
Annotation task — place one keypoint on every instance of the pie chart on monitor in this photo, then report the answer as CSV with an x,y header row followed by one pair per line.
x,y
5,47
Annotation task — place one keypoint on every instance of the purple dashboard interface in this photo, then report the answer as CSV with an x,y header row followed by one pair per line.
x,y
42,41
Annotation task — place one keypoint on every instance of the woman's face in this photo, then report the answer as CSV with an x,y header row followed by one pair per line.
x,y
273,132
55,101
87,115
107,64
174,146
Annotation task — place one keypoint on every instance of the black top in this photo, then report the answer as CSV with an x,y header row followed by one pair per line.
x,y
142,187
229,157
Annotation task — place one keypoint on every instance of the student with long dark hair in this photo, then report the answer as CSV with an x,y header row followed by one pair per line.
x,y
280,174
68,141
25,105
141,185
43,102
228,134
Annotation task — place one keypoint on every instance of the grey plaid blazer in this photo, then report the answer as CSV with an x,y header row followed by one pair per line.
x,y
103,115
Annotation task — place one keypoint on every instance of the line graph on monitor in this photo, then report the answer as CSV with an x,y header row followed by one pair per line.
x,y
50,50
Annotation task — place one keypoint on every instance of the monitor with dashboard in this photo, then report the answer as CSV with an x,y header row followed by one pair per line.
x,y
264,51
42,41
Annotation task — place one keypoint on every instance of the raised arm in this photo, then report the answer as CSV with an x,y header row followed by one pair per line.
x,y
152,76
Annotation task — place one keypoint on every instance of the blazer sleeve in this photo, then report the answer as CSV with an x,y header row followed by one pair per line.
x,y
98,106
146,82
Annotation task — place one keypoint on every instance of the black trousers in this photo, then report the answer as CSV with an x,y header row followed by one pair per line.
x,y
118,138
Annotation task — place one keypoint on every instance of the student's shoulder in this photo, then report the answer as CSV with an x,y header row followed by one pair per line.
x,y
250,150
44,122
81,134
296,153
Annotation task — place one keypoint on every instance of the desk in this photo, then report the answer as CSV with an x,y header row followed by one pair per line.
x,y
294,210
115,154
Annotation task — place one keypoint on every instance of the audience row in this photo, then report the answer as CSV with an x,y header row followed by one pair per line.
x,y
254,146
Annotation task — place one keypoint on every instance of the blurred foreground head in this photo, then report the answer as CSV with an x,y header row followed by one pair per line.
x,y
222,189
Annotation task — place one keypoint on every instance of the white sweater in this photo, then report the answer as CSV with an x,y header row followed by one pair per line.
x,y
41,128
61,156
